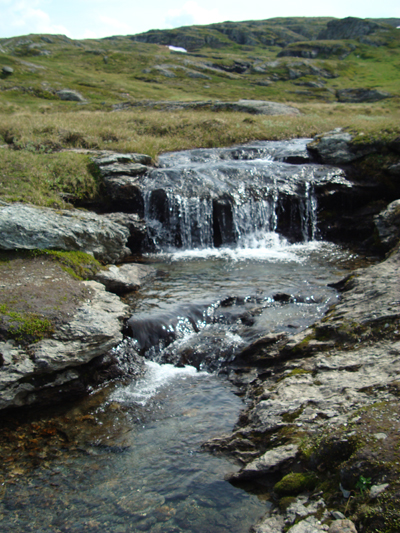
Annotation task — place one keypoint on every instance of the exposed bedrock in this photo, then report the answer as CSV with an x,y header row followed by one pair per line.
x,y
29,227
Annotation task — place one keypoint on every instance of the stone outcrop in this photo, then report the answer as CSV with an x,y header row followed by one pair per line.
x,y
58,364
29,227
253,107
348,28
361,95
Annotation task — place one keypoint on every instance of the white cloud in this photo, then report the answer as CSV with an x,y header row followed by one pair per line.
x,y
191,13
27,17
114,24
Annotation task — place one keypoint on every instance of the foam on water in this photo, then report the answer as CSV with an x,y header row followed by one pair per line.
x,y
156,377
259,246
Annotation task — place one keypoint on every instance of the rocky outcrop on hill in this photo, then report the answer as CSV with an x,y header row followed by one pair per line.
x,y
314,49
348,28
30,227
361,95
254,107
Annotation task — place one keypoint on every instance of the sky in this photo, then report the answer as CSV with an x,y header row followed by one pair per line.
x,y
85,19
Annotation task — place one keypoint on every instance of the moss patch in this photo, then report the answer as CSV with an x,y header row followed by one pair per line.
x,y
294,483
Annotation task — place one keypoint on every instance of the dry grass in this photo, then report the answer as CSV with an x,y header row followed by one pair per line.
x,y
35,170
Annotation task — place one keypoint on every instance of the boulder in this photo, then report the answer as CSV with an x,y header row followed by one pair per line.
x,y
29,227
29,375
70,95
388,225
361,95
7,71
124,278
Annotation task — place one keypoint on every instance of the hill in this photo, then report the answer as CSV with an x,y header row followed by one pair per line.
x,y
282,59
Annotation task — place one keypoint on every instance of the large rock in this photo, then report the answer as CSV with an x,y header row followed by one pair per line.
x,y
70,95
29,227
28,375
361,95
388,225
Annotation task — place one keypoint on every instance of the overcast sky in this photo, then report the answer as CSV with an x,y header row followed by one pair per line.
x,y
81,19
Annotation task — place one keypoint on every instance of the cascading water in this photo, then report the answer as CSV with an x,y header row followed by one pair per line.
x,y
212,198
226,276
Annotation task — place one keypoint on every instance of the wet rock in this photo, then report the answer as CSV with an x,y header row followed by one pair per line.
x,y
30,375
361,95
271,461
388,225
335,148
70,95
136,226
342,526
124,278
30,227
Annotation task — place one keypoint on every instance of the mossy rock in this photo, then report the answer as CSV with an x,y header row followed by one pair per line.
x,y
295,483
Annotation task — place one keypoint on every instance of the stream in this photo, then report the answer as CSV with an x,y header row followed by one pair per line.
x,y
129,457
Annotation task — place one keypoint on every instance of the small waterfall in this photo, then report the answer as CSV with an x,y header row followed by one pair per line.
x,y
221,198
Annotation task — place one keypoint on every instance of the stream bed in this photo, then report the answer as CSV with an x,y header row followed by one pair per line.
x,y
129,458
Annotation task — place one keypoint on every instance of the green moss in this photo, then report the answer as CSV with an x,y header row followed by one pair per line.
x,y
26,326
290,417
79,265
294,483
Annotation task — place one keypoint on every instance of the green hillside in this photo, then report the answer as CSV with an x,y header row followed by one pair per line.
x,y
336,72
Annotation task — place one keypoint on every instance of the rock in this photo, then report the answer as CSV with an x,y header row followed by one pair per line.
x,y
342,526
26,376
70,95
120,173
136,226
7,71
124,278
29,227
347,28
394,170
270,524
254,107
271,461
361,95
377,490
388,225
335,148
337,515
308,525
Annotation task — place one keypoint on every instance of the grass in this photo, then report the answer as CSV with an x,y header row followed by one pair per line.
x,y
36,170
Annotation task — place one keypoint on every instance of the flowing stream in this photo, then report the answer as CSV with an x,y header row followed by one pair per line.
x,y
131,457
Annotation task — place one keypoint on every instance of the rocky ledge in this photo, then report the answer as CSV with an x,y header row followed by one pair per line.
x,y
320,433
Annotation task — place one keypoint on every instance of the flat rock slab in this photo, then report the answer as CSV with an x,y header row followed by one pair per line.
x,y
254,107
124,278
29,227
271,461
